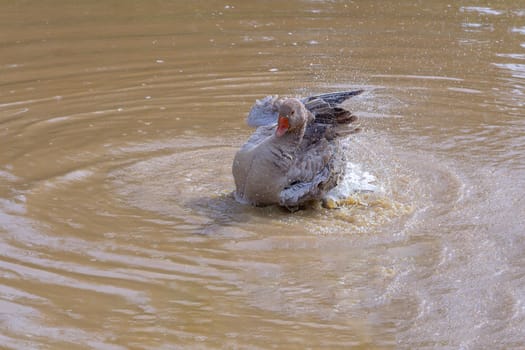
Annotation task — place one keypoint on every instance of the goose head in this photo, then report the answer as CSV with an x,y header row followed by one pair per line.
x,y
292,117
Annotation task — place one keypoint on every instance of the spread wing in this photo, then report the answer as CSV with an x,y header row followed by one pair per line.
x,y
264,112
331,120
333,98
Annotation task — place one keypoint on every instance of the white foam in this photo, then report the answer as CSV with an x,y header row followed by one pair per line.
x,y
355,180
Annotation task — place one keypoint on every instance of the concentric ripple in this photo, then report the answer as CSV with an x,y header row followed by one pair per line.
x,y
191,183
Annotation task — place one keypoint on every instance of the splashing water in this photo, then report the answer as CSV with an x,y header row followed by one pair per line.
x,y
355,180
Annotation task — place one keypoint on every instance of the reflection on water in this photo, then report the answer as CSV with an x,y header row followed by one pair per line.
x,y
118,125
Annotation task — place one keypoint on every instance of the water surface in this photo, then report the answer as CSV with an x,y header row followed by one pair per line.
x,y
118,125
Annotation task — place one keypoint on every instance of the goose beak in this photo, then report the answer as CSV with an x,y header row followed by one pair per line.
x,y
282,126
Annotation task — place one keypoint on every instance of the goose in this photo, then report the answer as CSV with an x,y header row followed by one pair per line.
x,y
295,155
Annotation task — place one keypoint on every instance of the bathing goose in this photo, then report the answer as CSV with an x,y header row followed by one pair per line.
x,y
295,155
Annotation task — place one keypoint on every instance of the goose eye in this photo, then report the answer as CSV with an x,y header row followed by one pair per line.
x,y
293,112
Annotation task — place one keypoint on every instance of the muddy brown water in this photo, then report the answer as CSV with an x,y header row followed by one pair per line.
x,y
118,124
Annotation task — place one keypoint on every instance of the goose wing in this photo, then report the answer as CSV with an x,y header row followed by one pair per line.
x,y
264,112
317,168
333,98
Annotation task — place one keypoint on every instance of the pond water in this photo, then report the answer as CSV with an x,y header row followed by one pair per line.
x,y
118,125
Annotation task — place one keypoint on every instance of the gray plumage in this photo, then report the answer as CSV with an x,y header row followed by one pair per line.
x,y
298,159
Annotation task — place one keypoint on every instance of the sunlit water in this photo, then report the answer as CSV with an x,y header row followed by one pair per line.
x,y
118,125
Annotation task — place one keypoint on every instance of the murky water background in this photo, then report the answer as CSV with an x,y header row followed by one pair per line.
x,y
118,124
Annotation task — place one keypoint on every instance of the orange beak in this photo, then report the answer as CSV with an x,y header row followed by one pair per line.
x,y
282,126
